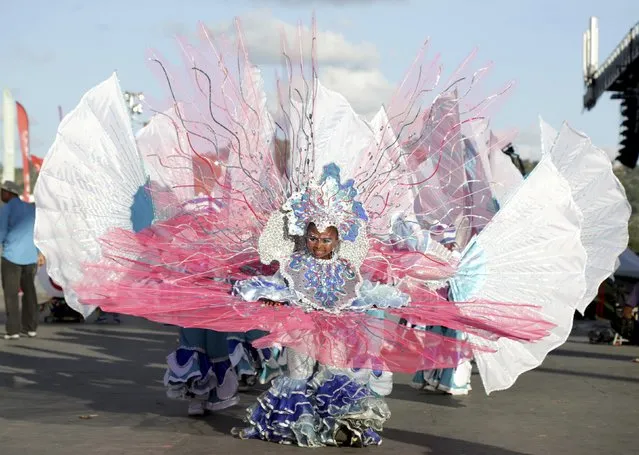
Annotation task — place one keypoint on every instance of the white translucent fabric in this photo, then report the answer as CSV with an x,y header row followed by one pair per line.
x,y
75,205
600,197
540,261
341,136
163,150
47,285
504,176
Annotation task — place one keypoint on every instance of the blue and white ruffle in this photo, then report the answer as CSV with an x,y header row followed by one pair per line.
x,y
311,413
283,414
378,295
344,403
266,364
192,375
265,287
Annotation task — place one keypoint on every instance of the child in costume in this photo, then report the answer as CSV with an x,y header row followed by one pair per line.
x,y
516,283
316,404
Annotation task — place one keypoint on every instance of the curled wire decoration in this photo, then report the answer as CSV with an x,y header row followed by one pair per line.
x,y
221,164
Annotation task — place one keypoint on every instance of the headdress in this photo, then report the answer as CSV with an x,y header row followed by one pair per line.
x,y
326,202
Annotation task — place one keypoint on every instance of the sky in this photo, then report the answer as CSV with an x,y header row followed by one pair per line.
x,y
53,52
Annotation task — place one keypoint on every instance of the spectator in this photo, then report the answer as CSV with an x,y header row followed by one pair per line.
x,y
20,260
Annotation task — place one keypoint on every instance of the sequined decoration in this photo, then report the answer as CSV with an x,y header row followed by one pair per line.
x,y
328,202
274,243
325,279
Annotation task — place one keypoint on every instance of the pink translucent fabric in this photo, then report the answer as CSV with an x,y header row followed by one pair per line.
x,y
385,264
179,270
252,161
172,273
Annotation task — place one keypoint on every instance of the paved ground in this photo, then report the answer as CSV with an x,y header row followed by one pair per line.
x,y
91,389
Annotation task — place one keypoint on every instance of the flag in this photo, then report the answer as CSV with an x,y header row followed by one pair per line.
x,y
23,131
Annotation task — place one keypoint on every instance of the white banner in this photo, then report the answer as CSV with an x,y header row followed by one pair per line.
x,y
9,118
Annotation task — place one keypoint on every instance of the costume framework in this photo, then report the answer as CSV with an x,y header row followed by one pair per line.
x,y
123,225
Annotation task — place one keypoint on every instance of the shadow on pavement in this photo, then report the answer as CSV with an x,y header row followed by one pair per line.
x,y
440,445
100,368
606,377
112,375
406,393
593,355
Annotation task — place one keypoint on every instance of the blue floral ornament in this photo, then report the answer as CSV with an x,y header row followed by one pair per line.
x,y
328,202
325,280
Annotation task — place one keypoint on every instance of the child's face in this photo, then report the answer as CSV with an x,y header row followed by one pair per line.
x,y
321,244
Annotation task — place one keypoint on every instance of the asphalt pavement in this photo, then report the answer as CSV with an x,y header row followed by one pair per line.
x,y
97,389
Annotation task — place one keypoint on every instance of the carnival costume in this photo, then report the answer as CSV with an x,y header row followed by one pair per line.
x,y
128,217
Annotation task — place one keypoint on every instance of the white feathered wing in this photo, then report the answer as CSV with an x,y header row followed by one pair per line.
x,y
97,134
530,253
600,197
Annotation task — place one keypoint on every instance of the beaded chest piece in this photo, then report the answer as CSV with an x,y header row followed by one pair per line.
x,y
324,284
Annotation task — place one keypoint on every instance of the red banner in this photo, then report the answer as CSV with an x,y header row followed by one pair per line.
x,y
36,161
23,130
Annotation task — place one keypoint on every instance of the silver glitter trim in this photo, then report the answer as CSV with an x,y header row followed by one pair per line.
x,y
275,244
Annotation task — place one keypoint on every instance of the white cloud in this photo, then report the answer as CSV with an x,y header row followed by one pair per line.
x,y
612,152
346,67
173,28
366,90
263,36
528,145
31,55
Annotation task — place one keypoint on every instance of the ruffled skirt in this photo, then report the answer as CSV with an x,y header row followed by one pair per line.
x,y
262,364
200,368
325,407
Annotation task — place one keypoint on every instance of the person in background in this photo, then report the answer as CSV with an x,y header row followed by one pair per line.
x,y
20,259
632,301
627,325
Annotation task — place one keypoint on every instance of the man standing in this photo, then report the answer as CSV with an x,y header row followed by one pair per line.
x,y
19,262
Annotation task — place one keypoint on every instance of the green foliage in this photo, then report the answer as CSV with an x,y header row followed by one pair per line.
x,y
629,178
